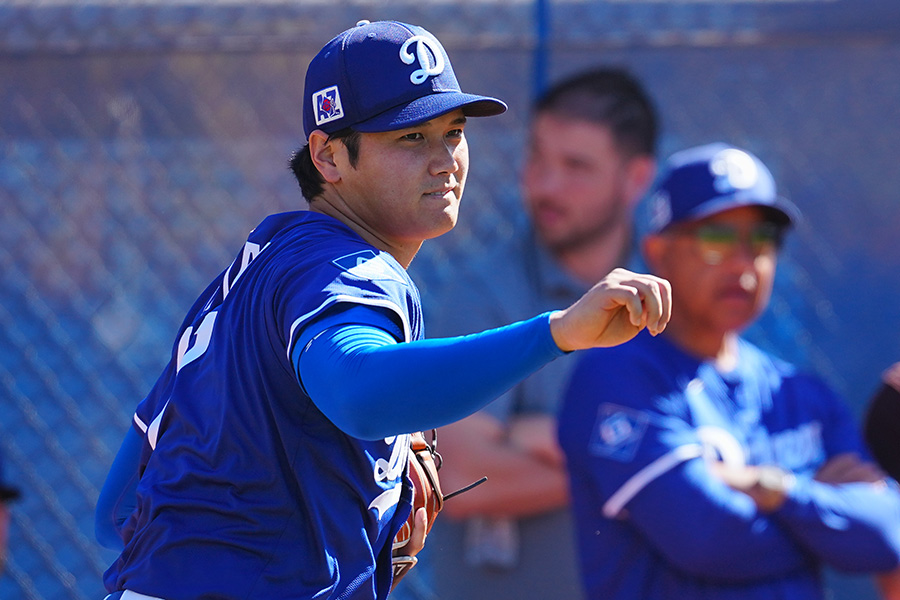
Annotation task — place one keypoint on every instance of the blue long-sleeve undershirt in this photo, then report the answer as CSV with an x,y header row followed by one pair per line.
x,y
371,387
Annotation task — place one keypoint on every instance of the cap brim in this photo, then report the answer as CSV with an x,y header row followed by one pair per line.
x,y
429,107
782,209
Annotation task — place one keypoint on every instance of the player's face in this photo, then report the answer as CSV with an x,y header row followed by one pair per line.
x,y
575,182
407,184
721,269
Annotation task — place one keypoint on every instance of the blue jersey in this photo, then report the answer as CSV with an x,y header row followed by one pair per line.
x,y
639,424
246,489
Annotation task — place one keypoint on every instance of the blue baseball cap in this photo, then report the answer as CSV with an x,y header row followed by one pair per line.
x,y
705,180
384,76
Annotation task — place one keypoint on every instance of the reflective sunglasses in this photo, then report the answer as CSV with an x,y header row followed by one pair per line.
x,y
718,242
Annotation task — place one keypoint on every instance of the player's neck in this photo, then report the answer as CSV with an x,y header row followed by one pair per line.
x,y
402,251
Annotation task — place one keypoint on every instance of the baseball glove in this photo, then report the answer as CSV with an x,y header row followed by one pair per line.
x,y
424,462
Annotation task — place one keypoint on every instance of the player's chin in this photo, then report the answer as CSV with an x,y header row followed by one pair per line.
x,y
440,229
736,316
442,220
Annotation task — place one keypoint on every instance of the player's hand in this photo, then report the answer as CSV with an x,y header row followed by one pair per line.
x,y
417,536
613,311
849,468
767,485
536,435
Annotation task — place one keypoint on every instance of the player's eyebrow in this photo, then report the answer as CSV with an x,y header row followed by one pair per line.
x,y
460,120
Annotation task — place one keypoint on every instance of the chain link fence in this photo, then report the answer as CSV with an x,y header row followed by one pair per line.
x,y
140,142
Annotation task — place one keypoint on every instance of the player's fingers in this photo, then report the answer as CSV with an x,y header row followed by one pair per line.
x,y
658,304
849,468
833,470
628,295
417,535
665,294
654,302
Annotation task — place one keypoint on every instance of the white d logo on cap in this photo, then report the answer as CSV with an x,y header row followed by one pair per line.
x,y
423,45
734,170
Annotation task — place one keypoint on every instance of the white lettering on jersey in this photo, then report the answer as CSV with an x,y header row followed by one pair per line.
x,y
251,251
798,448
390,470
794,449
201,341
153,430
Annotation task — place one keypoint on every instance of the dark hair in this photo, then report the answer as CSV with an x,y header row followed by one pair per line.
x,y
610,97
308,175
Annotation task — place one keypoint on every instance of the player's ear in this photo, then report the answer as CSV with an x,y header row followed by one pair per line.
x,y
321,151
641,170
654,249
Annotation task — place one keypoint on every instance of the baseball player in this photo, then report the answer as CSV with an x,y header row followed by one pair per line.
x,y
701,466
269,460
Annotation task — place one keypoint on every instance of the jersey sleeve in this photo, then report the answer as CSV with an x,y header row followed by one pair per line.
x,y
634,456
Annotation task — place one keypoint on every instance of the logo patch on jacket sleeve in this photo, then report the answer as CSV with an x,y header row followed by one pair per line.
x,y
617,432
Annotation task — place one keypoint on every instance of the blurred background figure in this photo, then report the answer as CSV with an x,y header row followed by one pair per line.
x,y
8,494
701,465
882,422
590,156
881,430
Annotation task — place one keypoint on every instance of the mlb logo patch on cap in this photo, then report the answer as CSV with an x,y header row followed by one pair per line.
x,y
328,105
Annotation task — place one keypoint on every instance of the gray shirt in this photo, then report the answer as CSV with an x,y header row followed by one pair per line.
x,y
531,558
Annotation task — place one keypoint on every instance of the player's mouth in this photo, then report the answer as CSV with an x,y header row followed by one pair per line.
x,y
546,215
738,293
442,192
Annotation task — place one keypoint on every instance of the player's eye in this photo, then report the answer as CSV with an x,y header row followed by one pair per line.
x,y
719,241
411,137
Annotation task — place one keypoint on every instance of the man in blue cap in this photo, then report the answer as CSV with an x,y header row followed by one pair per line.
x,y
270,458
700,465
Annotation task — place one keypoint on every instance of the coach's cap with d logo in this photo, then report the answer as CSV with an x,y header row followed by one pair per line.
x,y
702,181
384,76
